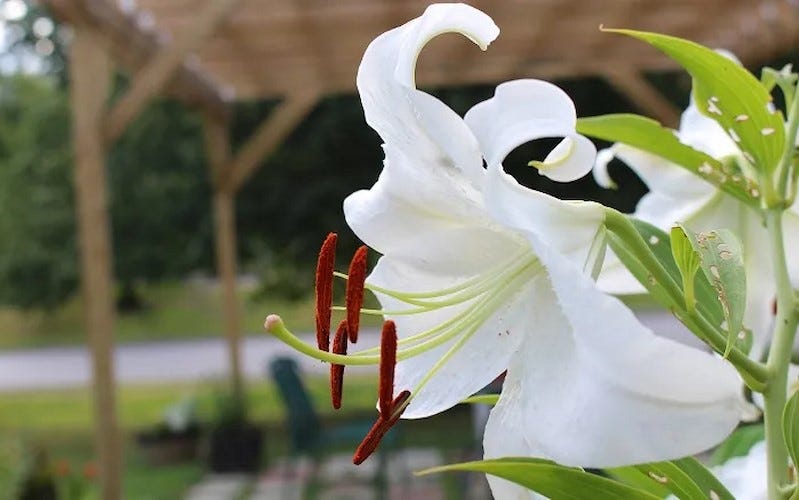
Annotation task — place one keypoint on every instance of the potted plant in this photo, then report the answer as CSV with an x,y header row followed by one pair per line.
x,y
234,444
175,439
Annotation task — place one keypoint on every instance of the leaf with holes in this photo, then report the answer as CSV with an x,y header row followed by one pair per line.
x,y
551,479
721,260
729,94
686,478
648,135
790,426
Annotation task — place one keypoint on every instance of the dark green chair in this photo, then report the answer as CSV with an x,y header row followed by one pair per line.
x,y
309,437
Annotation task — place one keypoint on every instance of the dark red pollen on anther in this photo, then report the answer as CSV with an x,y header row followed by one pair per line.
x,y
325,266
380,428
388,360
337,371
355,284
774,307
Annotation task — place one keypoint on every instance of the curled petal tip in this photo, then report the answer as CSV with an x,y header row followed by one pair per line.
x,y
272,321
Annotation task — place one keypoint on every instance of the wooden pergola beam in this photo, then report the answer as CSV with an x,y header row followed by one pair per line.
x,y
643,94
90,71
267,137
133,47
153,77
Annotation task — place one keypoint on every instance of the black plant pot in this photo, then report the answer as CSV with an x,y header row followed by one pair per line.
x,y
235,448
38,489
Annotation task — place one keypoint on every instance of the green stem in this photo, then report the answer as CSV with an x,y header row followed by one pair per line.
x,y
786,160
779,359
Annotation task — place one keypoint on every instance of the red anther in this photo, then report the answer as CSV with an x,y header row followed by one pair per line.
x,y
355,284
388,360
774,307
383,424
325,266
337,371
370,442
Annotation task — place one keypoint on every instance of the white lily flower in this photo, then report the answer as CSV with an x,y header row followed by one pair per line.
x,y
677,195
483,275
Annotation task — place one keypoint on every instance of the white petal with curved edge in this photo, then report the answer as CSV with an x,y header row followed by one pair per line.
x,y
472,23
598,389
407,118
524,110
479,361
571,159
600,171
514,205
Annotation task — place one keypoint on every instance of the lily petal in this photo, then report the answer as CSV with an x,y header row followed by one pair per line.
x,y
662,176
598,389
705,134
479,361
432,219
526,210
407,118
524,110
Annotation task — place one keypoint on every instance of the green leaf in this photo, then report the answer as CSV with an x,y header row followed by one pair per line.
x,y
648,135
721,260
730,95
685,478
790,426
687,260
660,244
551,479
738,443
488,399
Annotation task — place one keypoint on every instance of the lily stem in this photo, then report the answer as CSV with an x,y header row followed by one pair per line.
x,y
779,358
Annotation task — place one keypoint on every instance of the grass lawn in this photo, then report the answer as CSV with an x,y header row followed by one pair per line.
x,y
173,311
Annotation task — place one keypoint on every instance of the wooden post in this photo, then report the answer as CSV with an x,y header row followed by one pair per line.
x,y
218,150
90,72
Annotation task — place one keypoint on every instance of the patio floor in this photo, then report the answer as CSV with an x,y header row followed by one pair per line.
x,y
285,480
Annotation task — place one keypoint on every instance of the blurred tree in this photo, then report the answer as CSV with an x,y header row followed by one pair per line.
x,y
37,248
160,199
158,196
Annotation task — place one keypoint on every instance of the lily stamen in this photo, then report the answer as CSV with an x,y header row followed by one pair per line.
x,y
337,370
388,360
323,290
355,287
384,423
